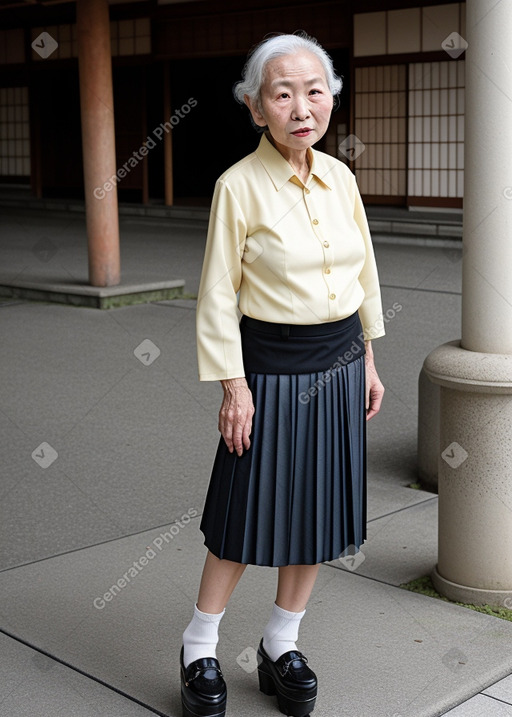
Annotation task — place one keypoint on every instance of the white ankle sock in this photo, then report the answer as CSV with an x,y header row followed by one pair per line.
x,y
281,632
201,636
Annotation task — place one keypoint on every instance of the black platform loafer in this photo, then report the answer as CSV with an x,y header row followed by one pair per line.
x,y
203,690
289,678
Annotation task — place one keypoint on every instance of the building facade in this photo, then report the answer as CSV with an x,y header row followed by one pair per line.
x,y
399,122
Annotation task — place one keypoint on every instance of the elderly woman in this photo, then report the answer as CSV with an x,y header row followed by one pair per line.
x,y
288,246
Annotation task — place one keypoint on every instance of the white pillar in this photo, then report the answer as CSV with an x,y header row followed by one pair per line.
x,y
487,260
475,374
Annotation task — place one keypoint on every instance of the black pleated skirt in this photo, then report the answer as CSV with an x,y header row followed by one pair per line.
x,y
298,495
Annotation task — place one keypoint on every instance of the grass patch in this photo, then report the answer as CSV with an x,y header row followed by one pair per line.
x,y
425,587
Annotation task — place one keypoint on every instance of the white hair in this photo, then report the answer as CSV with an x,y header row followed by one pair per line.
x,y
277,46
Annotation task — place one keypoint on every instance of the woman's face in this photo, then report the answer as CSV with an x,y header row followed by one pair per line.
x,y
296,102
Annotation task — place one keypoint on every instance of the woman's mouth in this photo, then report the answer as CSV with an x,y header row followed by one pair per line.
x,y
302,132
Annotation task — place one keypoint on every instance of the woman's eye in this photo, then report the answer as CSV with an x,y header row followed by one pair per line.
x,y
284,95
315,92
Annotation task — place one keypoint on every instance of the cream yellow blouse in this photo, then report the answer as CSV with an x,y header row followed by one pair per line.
x,y
293,253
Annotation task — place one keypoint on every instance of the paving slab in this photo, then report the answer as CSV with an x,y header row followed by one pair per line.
x,y
501,690
32,683
423,267
411,656
385,497
400,547
134,443
421,320
481,706
420,656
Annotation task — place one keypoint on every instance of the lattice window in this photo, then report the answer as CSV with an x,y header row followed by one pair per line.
x,y
436,129
131,37
381,125
127,37
14,132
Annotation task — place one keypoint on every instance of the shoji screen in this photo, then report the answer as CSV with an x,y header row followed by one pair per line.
x,y
436,129
14,132
381,124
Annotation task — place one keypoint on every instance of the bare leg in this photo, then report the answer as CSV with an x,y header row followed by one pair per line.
x,y
219,579
295,585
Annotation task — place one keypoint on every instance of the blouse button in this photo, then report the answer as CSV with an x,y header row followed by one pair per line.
x,y
327,271
315,221
307,190
332,296
326,244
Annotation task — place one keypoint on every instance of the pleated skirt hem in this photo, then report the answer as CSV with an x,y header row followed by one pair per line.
x,y
298,495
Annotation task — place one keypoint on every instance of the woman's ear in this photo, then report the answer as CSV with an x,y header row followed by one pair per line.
x,y
255,111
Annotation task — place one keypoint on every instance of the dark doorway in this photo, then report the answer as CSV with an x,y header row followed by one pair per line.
x,y
56,98
218,132
130,129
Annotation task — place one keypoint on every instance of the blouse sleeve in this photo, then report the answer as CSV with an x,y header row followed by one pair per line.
x,y
219,350
370,311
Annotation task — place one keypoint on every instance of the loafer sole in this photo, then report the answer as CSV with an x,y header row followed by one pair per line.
x,y
287,703
206,711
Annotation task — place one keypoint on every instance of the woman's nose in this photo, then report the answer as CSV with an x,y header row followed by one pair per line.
x,y
300,109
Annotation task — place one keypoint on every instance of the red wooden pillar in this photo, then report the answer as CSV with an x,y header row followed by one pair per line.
x,y
98,141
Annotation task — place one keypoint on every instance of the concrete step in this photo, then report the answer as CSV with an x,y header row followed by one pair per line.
x,y
383,220
94,297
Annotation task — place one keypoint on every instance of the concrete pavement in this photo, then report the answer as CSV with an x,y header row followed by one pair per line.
x,y
108,440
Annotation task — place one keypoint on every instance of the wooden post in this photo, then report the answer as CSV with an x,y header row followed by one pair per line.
x,y
168,175
98,141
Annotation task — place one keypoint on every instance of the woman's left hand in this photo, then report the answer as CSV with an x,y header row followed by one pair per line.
x,y
374,388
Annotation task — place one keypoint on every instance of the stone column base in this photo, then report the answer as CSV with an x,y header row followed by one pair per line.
x,y
468,595
475,474
428,431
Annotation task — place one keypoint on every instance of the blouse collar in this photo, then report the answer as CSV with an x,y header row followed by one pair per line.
x,y
280,171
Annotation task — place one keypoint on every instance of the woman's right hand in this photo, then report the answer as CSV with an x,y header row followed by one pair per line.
x,y
235,415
